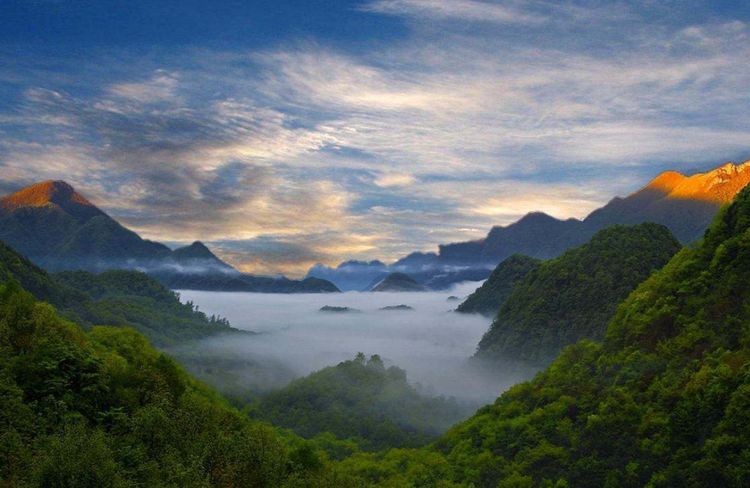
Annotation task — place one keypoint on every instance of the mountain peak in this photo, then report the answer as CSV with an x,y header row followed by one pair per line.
x,y
720,185
58,193
666,181
199,254
196,250
199,246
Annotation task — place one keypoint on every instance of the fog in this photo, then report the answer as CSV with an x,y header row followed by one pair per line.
x,y
294,338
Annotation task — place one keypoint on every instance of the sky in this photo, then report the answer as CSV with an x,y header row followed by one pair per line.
x,y
289,132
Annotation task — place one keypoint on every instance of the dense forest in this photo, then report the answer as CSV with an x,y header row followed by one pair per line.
x,y
662,401
363,401
121,298
573,296
488,298
104,409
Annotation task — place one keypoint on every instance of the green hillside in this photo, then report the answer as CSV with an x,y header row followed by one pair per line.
x,y
363,401
104,409
662,402
120,298
488,298
574,296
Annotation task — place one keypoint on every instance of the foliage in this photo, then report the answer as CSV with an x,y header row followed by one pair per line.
x,y
120,298
574,296
488,298
104,409
364,401
662,402
133,299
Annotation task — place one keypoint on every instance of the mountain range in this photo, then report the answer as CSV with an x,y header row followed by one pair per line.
x,y
59,229
684,204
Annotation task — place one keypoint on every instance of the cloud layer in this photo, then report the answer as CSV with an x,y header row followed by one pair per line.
x,y
304,152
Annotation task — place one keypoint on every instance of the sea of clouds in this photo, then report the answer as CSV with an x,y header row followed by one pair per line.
x,y
432,343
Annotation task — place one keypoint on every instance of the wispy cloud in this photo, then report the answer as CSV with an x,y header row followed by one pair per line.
x,y
394,179
465,10
161,87
309,152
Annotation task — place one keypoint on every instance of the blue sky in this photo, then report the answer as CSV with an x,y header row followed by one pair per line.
x,y
292,132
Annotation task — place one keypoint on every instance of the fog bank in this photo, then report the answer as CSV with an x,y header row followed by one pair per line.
x,y
431,342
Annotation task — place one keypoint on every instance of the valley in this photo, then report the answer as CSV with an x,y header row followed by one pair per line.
x,y
374,244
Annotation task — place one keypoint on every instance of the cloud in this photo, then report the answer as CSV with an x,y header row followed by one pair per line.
x,y
161,87
394,179
463,10
306,152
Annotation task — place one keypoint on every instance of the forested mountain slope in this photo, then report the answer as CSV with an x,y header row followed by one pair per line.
x,y
574,296
488,298
364,401
662,402
103,409
120,298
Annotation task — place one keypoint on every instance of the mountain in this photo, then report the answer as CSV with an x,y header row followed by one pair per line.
x,y
118,297
685,204
351,275
397,282
488,298
364,401
236,281
421,267
199,257
102,408
574,296
536,234
14,267
662,401
59,229
416,260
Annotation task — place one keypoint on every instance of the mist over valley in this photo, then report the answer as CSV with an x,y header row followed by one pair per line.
x,y
294,338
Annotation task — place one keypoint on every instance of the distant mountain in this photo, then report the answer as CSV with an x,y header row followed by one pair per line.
x,y
685,204
416,260
197,255
397,282
351,275
362,275
574,296
59,229
488,298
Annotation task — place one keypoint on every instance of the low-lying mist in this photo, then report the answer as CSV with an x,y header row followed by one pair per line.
x,y
294,338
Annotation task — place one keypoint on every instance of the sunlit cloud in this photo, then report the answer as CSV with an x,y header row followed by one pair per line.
x,y
309,152
394,179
